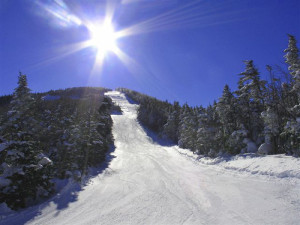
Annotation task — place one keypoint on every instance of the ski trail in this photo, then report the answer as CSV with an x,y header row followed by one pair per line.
x,y
151,184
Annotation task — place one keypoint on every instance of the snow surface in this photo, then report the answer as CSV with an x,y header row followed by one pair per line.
x,y
148,183
251,146
265,148
273,166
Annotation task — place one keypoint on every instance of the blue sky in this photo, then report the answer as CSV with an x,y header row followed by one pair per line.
x,y
187,50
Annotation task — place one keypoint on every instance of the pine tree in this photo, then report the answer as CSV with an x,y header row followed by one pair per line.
x,y
273,115
292,127
172,125
24,167
292,57
187,128
271,129
250,97
226,111
208,139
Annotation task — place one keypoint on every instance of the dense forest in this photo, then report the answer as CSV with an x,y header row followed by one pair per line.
x,y
46,136
260,116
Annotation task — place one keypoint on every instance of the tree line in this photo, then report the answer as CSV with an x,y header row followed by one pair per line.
x,y
259,116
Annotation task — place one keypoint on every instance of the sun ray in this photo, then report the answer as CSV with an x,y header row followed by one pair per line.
x,y
64,52
59,13
103,36
110,11
191,13
128,61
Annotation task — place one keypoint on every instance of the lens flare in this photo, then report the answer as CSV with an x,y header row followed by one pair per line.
x,y
103,37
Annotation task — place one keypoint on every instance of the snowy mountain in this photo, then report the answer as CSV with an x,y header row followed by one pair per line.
x,y
149,183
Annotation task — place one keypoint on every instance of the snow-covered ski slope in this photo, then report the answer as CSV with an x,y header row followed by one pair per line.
x,y
147,183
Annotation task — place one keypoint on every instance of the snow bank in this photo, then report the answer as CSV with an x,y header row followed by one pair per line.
x,y
251,146
265,149
280,166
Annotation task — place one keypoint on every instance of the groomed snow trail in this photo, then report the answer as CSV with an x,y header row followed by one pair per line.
x,y
147,183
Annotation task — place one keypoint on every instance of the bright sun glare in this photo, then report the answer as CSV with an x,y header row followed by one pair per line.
x,y
103,37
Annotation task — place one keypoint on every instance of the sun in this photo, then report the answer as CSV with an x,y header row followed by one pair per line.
x,y
103,37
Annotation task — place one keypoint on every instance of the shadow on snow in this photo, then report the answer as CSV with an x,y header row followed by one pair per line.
x,y
156,138
67,194
131,101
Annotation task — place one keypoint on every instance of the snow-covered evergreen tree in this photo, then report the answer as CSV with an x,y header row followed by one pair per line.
x,y
236,141
250,99
184,126
271,129
208,138
23,166
292,127
292,57
226,111
188,126
172,125
273,115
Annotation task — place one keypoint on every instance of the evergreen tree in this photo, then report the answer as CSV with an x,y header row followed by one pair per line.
x,y
23,166
208,142
271,129
227,114
250,99
292,59
183,126
292,128
172,125
273,115
187,128
291,56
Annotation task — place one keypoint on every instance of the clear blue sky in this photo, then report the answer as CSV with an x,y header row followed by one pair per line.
x,y
187,50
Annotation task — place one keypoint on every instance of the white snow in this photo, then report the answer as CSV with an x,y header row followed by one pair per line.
x,y
146,183
45,161
279,166
274,166
251,146
265,148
